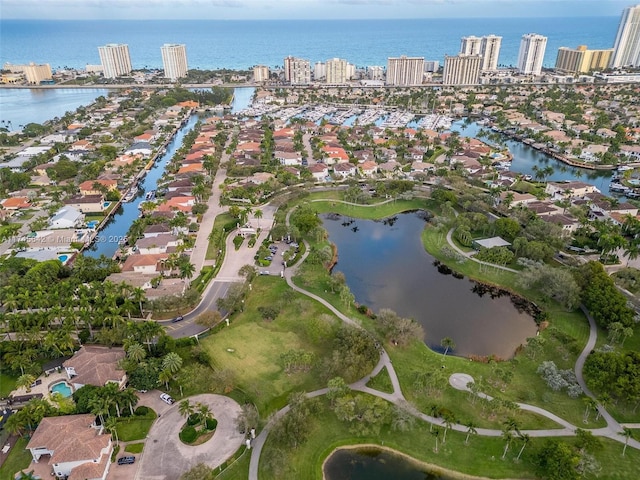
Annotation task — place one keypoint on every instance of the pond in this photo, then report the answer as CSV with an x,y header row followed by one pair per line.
x,y
386,266
371,463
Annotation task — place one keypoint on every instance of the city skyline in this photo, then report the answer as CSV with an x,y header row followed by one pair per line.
x,y
305,9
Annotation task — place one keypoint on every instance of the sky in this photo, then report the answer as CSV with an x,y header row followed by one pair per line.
x,y
303,9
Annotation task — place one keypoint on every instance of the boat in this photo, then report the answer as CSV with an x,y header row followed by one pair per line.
x,y
151,195
131,194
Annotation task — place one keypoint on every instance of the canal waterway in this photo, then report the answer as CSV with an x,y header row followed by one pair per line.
x,y
386,266
106,242
525,158
21,106
370,463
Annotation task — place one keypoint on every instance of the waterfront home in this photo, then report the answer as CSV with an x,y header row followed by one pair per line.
x,y
87,203
151,263
77,448
592,152
182,203
140,148
96,187
632,152
180,183
190,169
67,217
560,190
96,365
162,243
157,229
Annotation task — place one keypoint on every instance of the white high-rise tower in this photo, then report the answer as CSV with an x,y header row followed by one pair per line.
x,y
531,54
490,51
115,60
174,60
470,45
626,50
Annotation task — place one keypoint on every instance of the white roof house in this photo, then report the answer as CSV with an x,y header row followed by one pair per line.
x,y
66,217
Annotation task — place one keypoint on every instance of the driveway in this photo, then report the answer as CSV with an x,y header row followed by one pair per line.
x,y
166,457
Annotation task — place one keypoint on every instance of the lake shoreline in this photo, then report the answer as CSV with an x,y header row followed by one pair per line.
x,y
429,467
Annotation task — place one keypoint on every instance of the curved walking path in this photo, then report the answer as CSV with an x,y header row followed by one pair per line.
x,y
612,430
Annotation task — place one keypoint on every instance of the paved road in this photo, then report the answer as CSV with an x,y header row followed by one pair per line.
x,y
166,457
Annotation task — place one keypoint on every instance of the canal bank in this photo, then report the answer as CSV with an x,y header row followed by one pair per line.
x,y
526,160
114,230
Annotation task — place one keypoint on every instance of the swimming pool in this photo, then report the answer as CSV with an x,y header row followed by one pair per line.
x,y
62,388
63,258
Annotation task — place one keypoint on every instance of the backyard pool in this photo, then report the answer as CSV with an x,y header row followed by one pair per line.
x,y
63,258
62,388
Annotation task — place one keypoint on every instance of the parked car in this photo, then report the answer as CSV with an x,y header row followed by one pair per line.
x,y
268,258
179,318
126,460
166,398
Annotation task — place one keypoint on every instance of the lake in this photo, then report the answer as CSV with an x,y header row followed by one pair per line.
x,y
371,463
386,266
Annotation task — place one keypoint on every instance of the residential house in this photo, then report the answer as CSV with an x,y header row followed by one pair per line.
x,y
162,243
77,448
590,153
568,224
96,187
15,203
140,148
559,190
288,158
344,170
97,366
157,229
87,203
151,263
515,199
368,168
319,171
81,146
67,217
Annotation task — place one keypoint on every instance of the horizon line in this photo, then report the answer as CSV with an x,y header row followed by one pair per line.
x,y
297,19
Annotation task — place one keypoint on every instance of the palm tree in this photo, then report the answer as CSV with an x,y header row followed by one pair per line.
x,y
25,380
186,409
448,344
434,411
258,215
136,352
111,426
449,419
525,439
436,433
187,269
471,429
509,426
626,432
172,362
205,412
99,406
15,424
139,296
165,377
590,404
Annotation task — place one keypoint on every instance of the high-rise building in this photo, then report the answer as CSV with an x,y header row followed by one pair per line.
x,y
375,72
490,51
470,45
337,71
174,60
297,71
115,60
582,60
403,71
260,73
626,49
461,70
319,71
431,65
531,54
34,73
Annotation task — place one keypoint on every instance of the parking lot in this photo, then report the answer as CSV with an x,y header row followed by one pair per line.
x,y
277,263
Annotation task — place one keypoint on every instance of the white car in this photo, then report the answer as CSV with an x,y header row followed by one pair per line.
x,y
166,398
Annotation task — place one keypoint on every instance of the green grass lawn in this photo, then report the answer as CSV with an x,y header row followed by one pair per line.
x,y
135,428
251,347
238,471
19,459
7,384
369,213
481,457
134,448
381,382
222,220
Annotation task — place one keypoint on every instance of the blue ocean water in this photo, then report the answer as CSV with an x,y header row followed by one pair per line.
x,y
241,44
